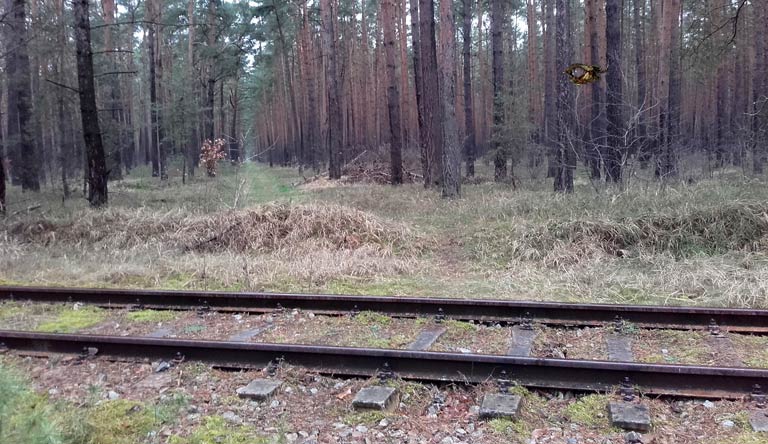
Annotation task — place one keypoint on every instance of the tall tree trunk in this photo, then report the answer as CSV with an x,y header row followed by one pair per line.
x,y
760,96
2,171
469,118
640,104
393,95
566,156
312,118
335,147
211,73
113,138
451,152
497,47
533,71
20,120
550,86
597,124
193,146
152,49
97,167
234,139
432,134
13,138
615,132
419,83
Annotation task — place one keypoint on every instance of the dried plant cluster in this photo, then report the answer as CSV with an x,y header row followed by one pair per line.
x,y
210,154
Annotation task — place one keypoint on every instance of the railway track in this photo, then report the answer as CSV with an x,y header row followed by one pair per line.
x,y
485,310
415,362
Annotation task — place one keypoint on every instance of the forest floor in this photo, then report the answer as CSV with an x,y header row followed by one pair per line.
x,y
256,228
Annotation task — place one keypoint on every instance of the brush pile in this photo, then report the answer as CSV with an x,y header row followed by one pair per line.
x,y
265,228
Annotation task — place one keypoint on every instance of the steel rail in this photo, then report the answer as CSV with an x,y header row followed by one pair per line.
x,y
656,379
737,320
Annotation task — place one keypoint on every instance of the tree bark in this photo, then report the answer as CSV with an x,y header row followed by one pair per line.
x,y
154,147
451,152
469,118
97,168
20,121
393,94
419,83
550,82
597,124
760,96
641,106
432,134
335,148
497,47
193,147
566,156
615,132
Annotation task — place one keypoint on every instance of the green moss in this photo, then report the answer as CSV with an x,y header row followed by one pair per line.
x,y
590,410
119,422
71,320
151,316
749,437
194,328
215,430
10,309
365,417
372,318
508,428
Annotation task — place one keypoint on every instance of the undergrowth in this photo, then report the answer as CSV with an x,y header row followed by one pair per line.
x,y
27,417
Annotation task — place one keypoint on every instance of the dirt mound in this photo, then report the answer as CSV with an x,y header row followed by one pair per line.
x,y
706,231
263,228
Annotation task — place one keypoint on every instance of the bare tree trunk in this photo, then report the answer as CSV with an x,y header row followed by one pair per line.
x,y
641,105
13,138
335,148
393,95
313,122
97,168
615,132
550,82
566,156
533,71
234,139
497,44
760,96
432,134
211,74
451,152
597,125
193,147
469,118
2,173
154,147
419,83
20,121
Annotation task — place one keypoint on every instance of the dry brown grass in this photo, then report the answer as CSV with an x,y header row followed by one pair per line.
x,y
702,231
265,228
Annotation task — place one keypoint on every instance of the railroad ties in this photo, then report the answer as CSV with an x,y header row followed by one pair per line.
x,y
620,372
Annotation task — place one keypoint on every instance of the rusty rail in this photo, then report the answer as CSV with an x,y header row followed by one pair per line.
x,y
509,311
657,379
